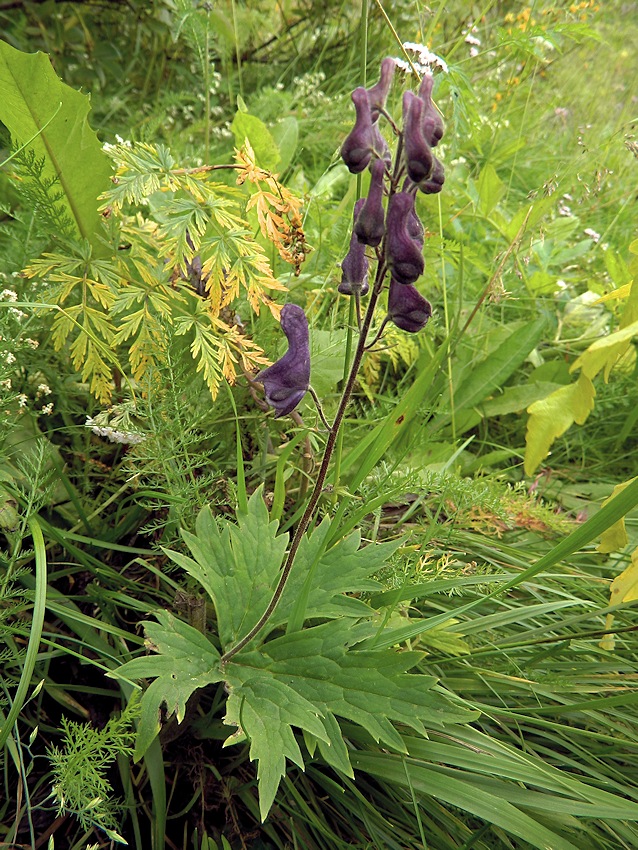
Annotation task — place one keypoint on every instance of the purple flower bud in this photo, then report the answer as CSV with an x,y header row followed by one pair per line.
x,y
432,123
377,95
369,227
355,264
286,381
357,147
418,156
407,308
415,227
403,248
434,183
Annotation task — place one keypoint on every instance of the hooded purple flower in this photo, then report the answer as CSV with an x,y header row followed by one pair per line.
x,y
286,381
357,147
378,93
434,183
407,308
403,243
418,156
355,264
432,125
369,225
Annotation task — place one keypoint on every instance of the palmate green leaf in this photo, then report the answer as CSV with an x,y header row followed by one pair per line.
x,y
370,688
34,99
187,661
237,565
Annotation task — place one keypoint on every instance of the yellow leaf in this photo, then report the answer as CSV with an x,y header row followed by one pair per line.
x,y
615,294
624,588
615,537
605,352
550,417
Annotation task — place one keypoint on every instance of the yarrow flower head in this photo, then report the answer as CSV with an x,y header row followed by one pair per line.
x,y
286,381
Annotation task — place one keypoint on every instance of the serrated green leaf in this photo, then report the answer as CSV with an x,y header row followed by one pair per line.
x,y
343,569
32,95
370,687
236,565
187,661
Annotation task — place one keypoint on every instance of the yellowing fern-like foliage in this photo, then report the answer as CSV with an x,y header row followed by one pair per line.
x,y
183,252
278,209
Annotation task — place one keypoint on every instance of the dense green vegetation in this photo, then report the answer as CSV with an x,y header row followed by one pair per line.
x,y
453,662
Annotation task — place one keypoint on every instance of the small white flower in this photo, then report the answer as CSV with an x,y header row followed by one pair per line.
x,y
592,234
472,39
474,52
564,210
47,410
17,313
44,389
32,343
9,358
8,295
426,59
22,400
6,384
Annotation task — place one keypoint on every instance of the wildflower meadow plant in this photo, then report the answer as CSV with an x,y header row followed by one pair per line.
x,y
247,568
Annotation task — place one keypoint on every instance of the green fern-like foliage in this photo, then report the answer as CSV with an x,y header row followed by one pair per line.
x,y
184,256
80,765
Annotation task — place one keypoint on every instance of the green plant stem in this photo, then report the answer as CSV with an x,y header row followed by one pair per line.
x,y
323,471
37,621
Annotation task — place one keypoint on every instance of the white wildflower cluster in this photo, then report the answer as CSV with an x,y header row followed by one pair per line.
x,y
119,141
47,409
43,389
593,234
424,59
112,434
8,295
6,384
472,39
9,357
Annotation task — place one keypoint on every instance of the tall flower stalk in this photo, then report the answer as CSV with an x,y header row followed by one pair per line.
x,y
390,234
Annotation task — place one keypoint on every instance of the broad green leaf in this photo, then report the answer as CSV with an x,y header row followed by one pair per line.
x,y
187,661
32,95
496,368
236,565
368,687
552,416
516,399
615,537
327,349
246,126
286,136
490,189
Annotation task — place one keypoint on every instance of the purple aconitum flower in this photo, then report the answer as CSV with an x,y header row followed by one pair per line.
x,y
356,150
407,308
434,183
378,93
369,224
418,155
402,239
432,122
354,266
286,381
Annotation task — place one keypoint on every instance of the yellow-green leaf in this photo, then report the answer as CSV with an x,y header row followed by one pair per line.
x,y
605,352
36,105
615,537
550,417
